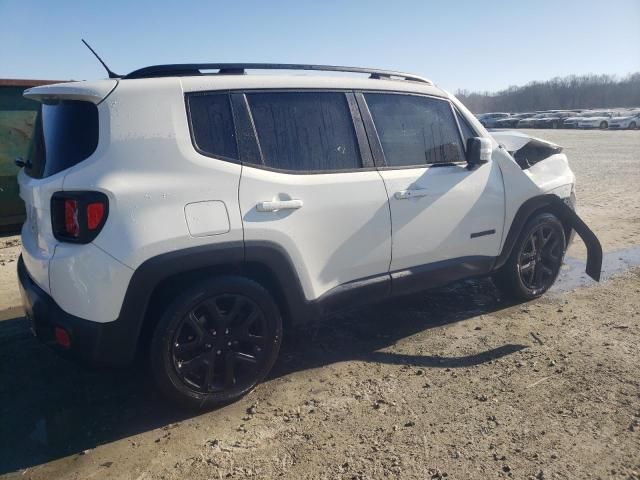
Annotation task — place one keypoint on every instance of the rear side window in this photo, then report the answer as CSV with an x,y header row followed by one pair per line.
x,y
310,131
415,130
212,124
65,133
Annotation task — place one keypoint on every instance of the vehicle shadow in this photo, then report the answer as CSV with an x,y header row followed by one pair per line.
x,y
51,408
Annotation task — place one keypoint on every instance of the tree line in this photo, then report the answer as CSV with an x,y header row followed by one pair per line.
x,y
575,91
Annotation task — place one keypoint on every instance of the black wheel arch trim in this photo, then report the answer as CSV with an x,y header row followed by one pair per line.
x,y
568,217
237,257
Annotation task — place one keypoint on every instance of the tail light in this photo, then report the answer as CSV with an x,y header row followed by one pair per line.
x,y
62,337
78,217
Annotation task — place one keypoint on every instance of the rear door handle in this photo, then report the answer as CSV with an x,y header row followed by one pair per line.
x,y
275,205
405,194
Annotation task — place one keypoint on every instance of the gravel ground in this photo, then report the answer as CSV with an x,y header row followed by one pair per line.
x,y
454,383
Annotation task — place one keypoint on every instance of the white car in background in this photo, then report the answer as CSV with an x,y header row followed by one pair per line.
x,y
488,120
598,120
529,122
628,122
572,122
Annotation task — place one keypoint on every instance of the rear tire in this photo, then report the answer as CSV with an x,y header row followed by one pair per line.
x,y
535,261
603,125
215,342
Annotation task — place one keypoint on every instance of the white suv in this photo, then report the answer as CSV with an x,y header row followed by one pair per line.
x,y
195,216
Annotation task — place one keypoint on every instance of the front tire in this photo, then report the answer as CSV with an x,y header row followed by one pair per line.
x,y
535,261
215,342
603,125
632,126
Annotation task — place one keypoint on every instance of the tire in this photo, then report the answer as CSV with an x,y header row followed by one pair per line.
x,y
603,125
555,125
530,270
215,342
632,126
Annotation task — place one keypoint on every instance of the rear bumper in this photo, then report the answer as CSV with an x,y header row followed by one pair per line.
x,y
93,343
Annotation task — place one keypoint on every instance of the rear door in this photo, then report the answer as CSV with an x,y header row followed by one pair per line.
x,y
440,210
313,189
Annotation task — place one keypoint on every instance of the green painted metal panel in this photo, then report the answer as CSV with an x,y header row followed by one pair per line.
x,y
17,116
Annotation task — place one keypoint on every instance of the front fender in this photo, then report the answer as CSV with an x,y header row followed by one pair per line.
x,y
568,216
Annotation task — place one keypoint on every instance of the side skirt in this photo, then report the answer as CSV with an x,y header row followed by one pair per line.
x,y
402,282
439,274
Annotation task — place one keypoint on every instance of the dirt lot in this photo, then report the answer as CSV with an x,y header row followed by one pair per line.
x,y
454,383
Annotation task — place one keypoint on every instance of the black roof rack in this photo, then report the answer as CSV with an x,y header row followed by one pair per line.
x,y
188,69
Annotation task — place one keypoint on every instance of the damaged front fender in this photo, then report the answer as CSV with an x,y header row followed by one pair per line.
x,y
569,217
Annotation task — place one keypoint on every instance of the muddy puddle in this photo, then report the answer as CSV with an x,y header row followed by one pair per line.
x,y
573,276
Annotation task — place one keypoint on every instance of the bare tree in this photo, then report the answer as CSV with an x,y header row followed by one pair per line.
x,y
584,91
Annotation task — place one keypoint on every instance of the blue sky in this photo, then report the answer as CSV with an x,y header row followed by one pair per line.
x,y
481,45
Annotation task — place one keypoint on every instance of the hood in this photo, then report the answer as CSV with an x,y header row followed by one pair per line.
x,y
525,149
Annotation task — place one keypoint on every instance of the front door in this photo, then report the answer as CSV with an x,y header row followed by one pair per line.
x,y
442,213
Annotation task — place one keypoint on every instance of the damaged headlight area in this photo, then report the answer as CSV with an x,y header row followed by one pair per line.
x,y
526,150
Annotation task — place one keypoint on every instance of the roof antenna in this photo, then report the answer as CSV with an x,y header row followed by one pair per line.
x,y
109,72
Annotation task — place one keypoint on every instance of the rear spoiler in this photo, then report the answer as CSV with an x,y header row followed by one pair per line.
x,y
93,92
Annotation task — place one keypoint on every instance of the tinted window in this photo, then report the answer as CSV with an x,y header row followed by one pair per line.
x,y
65,133
305,131
212,124
415,130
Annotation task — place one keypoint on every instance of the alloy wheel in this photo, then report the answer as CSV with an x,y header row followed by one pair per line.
x,y
540,258
220,344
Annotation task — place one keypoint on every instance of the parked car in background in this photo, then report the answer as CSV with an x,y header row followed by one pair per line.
x,y
553,120
572,122
529,122
488,120
511,121
629,122
597,120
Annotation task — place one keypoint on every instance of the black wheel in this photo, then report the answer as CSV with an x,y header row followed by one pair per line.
x,y
555,125
603,125
534,263
632,126
215,342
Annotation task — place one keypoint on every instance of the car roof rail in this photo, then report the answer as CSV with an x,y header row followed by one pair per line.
x,y
189,69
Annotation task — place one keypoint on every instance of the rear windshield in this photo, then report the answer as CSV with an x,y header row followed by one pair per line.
x,y
65,133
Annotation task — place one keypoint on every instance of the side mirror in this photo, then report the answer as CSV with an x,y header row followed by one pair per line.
x,y
478,151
